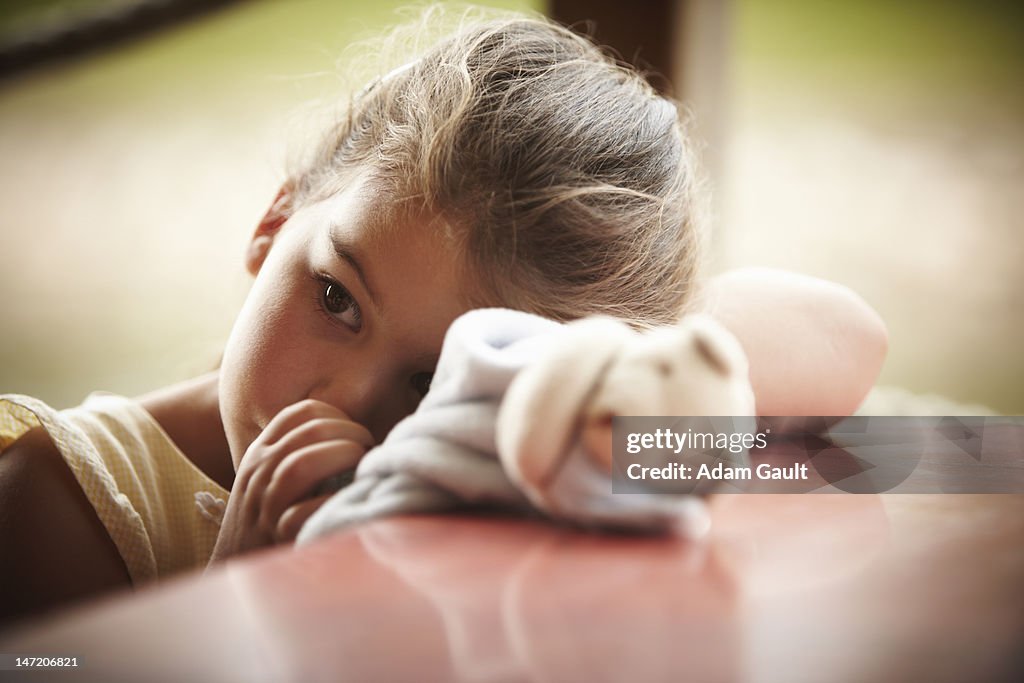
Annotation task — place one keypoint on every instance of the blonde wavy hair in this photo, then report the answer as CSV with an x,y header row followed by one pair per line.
x,y
567,180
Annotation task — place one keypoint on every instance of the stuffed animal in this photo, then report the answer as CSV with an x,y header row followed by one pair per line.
x,y
554,429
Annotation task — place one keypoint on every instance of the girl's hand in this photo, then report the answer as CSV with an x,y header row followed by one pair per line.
x,y
815,347
303,445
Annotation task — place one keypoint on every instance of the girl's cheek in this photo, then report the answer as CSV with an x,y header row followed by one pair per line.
x,y
283,364
257,372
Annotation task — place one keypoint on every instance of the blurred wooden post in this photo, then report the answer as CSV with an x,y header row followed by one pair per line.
x,y
685,43
640,33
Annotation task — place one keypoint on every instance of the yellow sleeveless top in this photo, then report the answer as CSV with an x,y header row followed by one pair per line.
x,y
161,511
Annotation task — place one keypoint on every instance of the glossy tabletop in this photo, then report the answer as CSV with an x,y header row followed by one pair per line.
x,y
788,588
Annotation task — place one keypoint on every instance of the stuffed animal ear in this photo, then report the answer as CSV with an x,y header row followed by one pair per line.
x,y
542,407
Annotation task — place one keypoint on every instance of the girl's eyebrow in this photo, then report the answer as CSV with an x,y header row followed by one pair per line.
x,y
347,252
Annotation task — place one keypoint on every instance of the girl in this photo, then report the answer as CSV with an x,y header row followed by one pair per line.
x,y
513,164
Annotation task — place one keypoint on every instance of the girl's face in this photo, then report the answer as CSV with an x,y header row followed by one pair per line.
x,y
345,310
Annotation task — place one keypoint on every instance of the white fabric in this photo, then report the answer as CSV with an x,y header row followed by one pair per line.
x,y
445,455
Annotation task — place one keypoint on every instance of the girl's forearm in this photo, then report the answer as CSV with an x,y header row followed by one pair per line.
x,y
815,347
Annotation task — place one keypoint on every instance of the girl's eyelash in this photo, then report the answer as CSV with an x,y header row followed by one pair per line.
x,y
324,283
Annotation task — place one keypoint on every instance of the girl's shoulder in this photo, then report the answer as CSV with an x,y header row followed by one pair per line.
x,y
137,482
56,549
110,443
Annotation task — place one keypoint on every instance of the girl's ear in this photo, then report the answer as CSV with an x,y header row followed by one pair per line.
x,y
266,231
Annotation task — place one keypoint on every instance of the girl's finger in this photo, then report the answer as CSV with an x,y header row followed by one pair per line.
x,y
296,414
263,457
301,471
324,429
291,521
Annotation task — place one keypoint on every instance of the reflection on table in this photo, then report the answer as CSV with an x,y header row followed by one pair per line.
x,y
788,588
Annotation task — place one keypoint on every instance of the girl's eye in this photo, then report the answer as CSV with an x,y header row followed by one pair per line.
x,y
421,382
338,302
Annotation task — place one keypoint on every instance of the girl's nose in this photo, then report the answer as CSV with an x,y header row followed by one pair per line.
x,y
367,395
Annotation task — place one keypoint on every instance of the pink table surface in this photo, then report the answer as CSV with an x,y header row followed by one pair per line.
x,y
788,588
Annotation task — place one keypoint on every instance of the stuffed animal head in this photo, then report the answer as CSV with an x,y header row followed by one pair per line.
x,y
694,368
599,369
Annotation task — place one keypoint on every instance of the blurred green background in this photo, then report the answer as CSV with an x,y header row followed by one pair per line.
x,y
881,144
878,144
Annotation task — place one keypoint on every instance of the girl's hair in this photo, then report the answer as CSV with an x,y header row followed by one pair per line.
x,y
567,179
